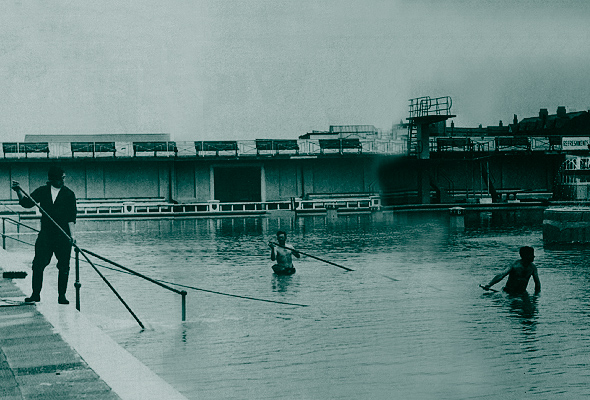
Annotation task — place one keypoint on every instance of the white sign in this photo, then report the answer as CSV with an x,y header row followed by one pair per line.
x,y
575,143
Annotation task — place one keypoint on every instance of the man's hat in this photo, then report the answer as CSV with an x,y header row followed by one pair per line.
x,y
55,172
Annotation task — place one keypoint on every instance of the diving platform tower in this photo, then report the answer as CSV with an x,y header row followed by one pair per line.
x,y
425,114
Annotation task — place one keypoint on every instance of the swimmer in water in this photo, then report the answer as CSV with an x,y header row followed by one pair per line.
x,y
282,254
519,274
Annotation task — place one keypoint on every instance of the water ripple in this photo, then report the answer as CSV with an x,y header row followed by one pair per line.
x,y
433,334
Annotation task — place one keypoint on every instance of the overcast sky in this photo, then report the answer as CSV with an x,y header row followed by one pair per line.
x,y
247,69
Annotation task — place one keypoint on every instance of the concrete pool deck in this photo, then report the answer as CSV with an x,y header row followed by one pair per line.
x,y
51,351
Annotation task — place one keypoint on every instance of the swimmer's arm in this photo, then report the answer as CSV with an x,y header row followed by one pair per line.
x,y
537,281
273,255
498,277
292,250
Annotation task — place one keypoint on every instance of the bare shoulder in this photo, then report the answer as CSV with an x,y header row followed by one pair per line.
x,y
515,265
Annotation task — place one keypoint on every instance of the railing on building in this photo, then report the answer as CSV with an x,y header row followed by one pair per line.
x,y
93,148
453,144
426,106
159,208
577,164
275,147
154,147
573,179
221,148
496,144
25,149
214,207
340,145
344,204
512,143
285,147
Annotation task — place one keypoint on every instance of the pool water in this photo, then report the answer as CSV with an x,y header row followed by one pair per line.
x,y
410,322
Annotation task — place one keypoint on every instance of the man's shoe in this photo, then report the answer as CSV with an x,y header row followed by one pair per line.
x,y
62,300
32,299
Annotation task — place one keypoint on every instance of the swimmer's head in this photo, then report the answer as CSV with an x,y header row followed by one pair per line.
x,y
527,253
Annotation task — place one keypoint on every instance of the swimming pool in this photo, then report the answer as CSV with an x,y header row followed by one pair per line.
x,y
431,333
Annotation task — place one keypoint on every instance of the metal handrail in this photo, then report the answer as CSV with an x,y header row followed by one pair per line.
x,y
20,224
5,236
90,262
77,284
425,106
147,278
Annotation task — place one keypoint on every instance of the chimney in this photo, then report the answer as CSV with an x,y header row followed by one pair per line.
x,y
515,120
501,123
543,114
561,112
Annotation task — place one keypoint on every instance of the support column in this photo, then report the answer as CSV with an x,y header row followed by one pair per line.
x,y
211,183
171,181
423,137
302,181
262,183
423,182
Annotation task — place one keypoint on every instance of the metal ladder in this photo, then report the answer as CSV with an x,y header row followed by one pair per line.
x,y
413,145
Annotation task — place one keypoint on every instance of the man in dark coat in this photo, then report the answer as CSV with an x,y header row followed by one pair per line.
x,y
59,202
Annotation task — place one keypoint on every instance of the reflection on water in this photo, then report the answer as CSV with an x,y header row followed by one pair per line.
x,y
432,334
281,284
522,310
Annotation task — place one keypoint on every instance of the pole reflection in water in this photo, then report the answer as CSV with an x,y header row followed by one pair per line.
x,y
433,334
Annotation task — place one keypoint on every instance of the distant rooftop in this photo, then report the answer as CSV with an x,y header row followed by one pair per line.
x,y
319,135
353,128
343,131
562,123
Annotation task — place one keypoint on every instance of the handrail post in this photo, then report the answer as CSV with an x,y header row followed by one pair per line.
x,y
183,294
77,284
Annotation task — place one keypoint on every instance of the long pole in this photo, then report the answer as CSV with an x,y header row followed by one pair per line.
x,y
77,285
317,258
337,265
86,257
183,294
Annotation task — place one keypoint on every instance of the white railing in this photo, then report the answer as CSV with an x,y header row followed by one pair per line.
x,y
577,163
214,207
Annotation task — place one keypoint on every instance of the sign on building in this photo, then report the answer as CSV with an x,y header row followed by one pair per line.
x,y
576,143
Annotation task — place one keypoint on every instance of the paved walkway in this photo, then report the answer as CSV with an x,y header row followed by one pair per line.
x,y
50,351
